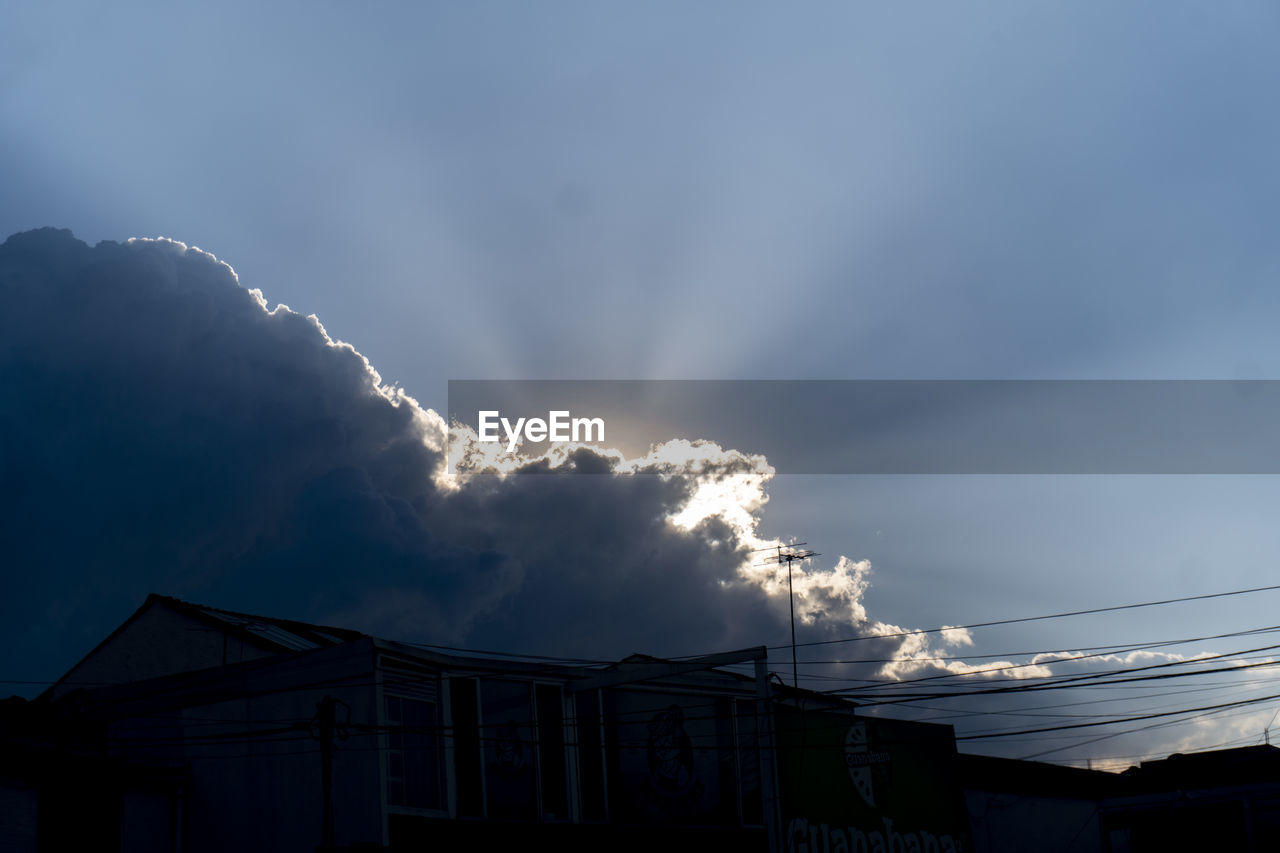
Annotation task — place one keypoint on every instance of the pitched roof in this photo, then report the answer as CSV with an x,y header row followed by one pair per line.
x,y
274,633
270,634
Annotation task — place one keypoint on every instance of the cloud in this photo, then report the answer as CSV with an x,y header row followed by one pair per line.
x,y
171,432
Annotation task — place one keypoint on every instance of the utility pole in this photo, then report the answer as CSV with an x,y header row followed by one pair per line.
x,y
324,727
325,719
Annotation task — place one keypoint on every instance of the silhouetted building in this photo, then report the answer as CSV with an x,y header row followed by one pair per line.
x,y
1218,800
61,790
1029,805
1226,799
195,729
268,734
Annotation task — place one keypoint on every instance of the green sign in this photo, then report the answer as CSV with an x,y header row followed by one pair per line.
x,y
852,784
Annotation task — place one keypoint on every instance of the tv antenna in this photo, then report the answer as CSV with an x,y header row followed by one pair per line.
x,y
795,552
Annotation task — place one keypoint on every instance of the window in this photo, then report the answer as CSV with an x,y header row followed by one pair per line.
x,y
590,755
464,710
509,749
414,777
510,780
750,791
553,771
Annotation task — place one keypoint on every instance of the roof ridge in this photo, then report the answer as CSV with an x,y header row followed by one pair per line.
x,y
343,633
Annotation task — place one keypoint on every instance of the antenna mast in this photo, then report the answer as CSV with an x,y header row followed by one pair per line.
x,y
790,554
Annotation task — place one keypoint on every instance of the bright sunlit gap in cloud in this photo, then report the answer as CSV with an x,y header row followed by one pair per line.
x,y
731,487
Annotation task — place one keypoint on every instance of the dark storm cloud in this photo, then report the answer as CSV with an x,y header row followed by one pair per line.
x,y
164,431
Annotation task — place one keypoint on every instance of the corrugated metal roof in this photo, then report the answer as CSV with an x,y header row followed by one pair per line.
x,y
267,630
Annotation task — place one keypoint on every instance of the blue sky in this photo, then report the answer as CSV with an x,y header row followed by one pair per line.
x,y
729,191
984,191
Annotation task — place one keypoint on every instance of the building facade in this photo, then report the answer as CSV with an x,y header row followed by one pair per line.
x,y
285,736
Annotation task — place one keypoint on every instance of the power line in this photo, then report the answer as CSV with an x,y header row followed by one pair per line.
x,y
1110,648
1067,726
1021,619
1069,683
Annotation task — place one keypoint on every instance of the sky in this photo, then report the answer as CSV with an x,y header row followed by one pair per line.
x,y
621,191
